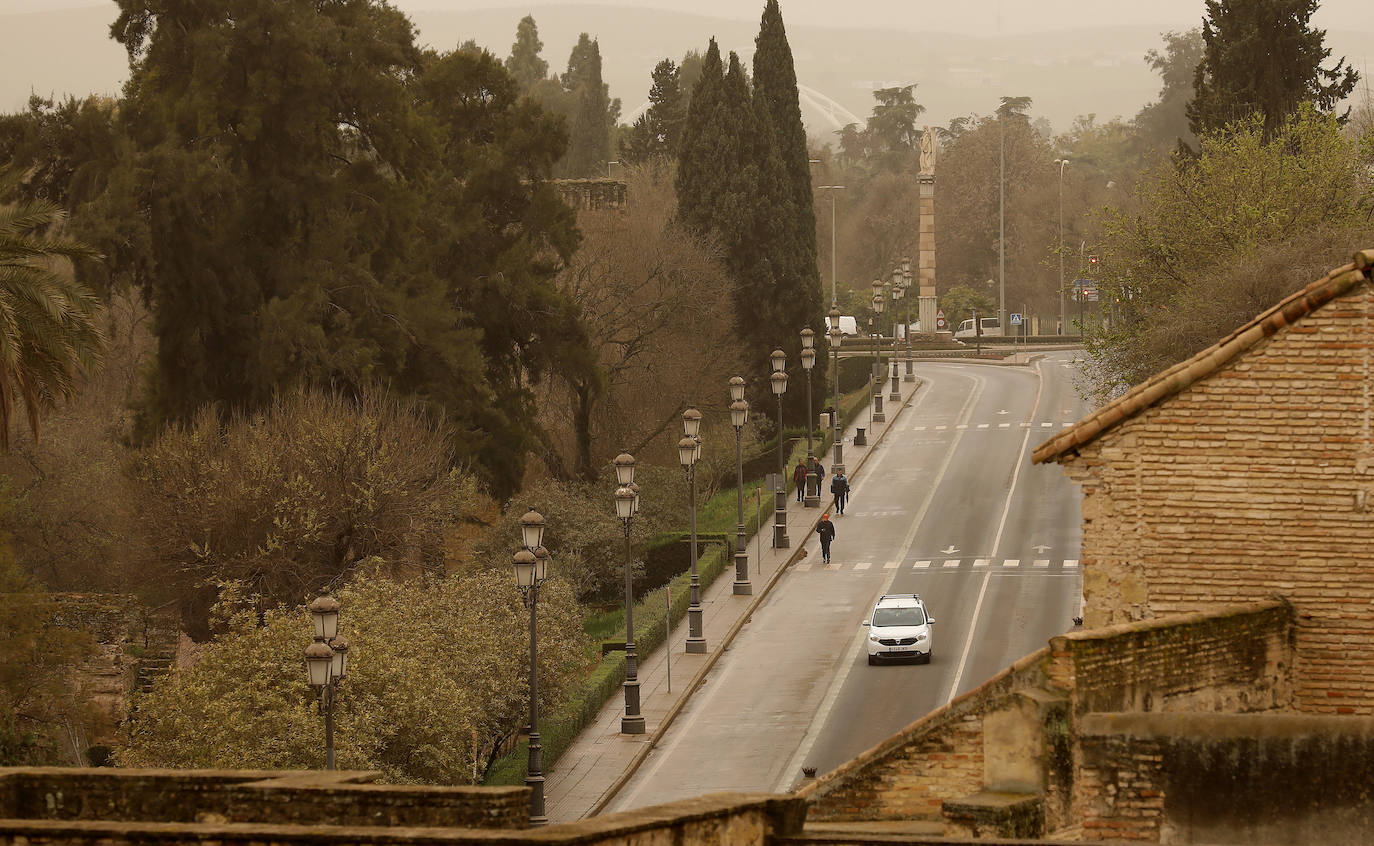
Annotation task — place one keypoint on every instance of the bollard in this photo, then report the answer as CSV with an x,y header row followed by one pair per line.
x,y
859,438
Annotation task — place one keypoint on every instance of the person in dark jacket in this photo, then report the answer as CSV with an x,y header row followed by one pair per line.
x,y
826,530
799,479
818,470
839,486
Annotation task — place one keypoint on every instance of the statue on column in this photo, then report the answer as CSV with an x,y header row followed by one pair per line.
x,y
928,148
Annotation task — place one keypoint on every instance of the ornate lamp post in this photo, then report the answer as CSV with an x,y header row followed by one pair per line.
x,y
326,660
813,483
626,507
688,451
779,383
877,389
739,416
906,286
836,336
531,565
895,393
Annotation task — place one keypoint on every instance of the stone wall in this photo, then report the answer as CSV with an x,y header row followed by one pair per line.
x,y
1256,480
592,194
724,819
1227,778
248,796
1015,737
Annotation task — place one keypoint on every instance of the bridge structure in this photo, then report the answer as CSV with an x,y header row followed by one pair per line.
x,y
835,115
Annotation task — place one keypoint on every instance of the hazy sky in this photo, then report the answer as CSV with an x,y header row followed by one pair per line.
x,y
962,16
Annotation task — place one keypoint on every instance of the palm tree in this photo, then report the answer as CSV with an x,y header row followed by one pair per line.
x,y
49,322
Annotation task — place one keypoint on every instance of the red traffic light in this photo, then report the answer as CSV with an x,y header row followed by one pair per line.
x,y
1092,260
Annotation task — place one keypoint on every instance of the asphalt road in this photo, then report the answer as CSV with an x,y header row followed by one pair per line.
x,y
950,508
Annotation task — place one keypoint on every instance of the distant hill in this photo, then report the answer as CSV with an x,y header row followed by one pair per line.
x,y
1068,73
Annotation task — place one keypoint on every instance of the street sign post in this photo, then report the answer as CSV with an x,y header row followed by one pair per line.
x,y
940,320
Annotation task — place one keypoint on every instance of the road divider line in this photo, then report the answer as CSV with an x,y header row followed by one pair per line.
x,y
968,642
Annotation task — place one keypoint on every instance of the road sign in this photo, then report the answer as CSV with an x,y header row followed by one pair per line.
x,y
940,319
1016,320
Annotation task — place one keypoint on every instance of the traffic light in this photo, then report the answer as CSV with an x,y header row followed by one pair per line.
x,y
1092,262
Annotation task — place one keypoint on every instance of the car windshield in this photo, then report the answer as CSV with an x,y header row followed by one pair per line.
x,y
912,616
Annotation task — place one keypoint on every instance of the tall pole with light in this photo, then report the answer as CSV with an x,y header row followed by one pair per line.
x,y
834,294
688,451
836,337
739,416
1001,223
895,394
326,660
910,375
531,565
626,507
812,498
1063,308
778,381
877,389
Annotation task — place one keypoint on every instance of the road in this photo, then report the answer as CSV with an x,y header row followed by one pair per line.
x,y
950,508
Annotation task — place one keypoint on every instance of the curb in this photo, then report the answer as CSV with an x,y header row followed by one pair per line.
x,y
654,739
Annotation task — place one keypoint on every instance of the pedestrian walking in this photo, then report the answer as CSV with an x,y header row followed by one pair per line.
x,y
826,530
839,487
819,470
799,479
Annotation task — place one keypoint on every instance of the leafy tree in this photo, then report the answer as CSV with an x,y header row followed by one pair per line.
x,y
412,703
893,123
64,150
594,113
1263,56
290,500
524,62
39,705
657,132
51,330
1163,124
1180,255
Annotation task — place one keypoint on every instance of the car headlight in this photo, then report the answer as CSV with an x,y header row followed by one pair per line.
x,y
873,638
920,638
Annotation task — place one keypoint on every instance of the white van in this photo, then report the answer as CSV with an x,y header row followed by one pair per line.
x,y
991,327
848,325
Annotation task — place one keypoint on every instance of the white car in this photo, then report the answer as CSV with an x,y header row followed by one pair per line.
x,y
899,628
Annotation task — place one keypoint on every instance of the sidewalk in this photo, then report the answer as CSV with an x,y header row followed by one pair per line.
x,y
601,760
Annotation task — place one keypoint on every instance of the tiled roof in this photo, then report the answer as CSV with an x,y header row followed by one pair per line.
x,y
1177,378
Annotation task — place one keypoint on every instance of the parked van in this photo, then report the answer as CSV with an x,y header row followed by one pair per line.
x,y
848,325
991,327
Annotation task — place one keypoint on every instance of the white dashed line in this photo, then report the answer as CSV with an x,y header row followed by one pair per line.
x,y
1012,562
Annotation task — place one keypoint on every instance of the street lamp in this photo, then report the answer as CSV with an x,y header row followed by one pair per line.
x,y
836,336
326,661
688,451
778,381
739,416
531,565
626,507
906,287
834,296
895,395
1063,309
876,415
812,497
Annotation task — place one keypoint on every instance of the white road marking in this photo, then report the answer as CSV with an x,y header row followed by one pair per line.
x,y
982,425
1004,425
1041,562
980,562
1070,563
863,565
892,565
968,644
922,565
803,567
953,562
1012,562
1046,425
833,566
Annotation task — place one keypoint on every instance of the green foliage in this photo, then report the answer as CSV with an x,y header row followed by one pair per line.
x,y
51,330
524,63
436,666
290,500
1263,56
657,133
38,702
593,112
893,124
1173,254
1163,124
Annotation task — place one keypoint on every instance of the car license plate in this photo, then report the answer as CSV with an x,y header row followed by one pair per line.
x,y
900,648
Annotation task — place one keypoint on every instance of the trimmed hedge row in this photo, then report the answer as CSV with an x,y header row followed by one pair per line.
x,y
561,728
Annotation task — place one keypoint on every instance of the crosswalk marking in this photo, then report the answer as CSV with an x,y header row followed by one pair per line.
x,y
980,562
982,425
941,428
1041,562
922,565
892,565
833,565
1012,562
1004,425
952,562
962,426
943,564
863,565
1046,425
804,566
1070,563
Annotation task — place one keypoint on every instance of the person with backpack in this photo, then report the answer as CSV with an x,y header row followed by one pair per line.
x,y
818,470
839,487
826,530
799,479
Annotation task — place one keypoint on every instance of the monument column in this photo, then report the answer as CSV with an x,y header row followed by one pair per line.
x,y
926,304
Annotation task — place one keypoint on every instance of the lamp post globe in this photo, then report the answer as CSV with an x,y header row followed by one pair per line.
x,y
736,388
836,338
326,663
688,452
626,508
531,566
812,495
876,374
894,393
778,382
739,418
532,528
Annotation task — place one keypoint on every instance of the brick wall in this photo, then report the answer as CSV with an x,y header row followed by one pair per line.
x,y
1226,778
1233,659
723,819
1254,481
271,797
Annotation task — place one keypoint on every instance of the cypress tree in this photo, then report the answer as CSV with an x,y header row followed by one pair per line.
x,y
524,62
1263,56
594,113
698,168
